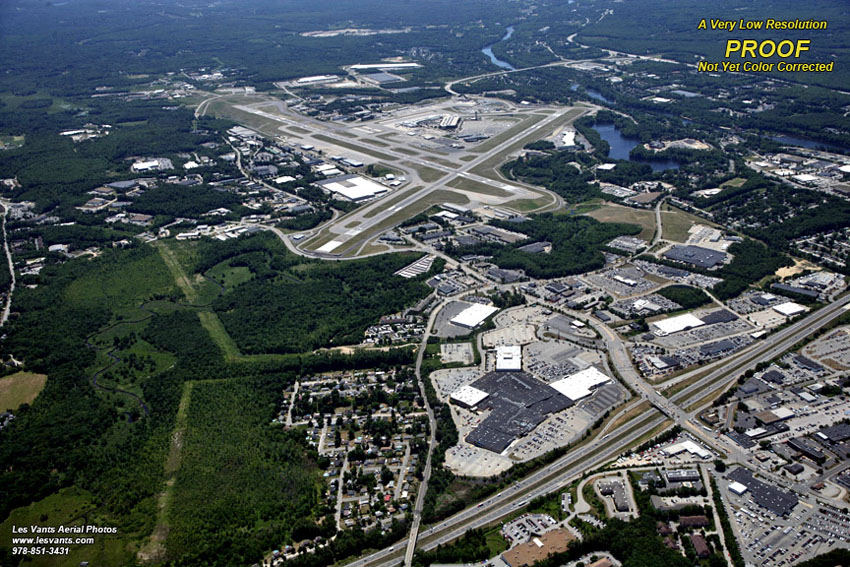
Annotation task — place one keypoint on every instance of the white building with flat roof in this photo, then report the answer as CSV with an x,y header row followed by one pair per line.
x,y
672,325
737,488
473,315
468,397
581,384
789,308
508,358
353,187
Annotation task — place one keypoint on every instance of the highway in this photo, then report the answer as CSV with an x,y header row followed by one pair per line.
x,y
563,471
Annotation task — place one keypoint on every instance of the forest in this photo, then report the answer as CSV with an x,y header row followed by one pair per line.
x,y
576,245
293,304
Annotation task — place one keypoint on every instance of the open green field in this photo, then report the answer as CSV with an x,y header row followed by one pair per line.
x,y
676,223
426,174
736,182
618,213
11,142
355,147
526,205
477,187
20,388
400,150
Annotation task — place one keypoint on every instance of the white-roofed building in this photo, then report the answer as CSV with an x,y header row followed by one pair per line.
x,y
353,187
581,384
686,446
737,488
783,413
672,325
508,358
473,315
789,308
468,397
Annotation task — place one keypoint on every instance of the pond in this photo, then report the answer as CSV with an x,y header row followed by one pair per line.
x,y
621,146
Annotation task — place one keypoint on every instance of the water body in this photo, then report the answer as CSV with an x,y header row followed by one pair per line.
x,y
488,51
621,146
592,93
804,143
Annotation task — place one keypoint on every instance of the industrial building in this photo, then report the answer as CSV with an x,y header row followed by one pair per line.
x,y
581,384
508,358
352,187
473,315
696,256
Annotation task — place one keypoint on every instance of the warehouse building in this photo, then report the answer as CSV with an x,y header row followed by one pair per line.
x,y
473,315
696,256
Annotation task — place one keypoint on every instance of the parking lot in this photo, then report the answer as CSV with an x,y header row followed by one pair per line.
x,y
456,352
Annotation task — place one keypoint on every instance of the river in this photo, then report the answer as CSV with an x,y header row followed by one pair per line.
x,y
488,51
804,143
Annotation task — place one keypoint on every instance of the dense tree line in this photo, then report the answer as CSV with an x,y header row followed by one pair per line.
x,y
686,296
576,244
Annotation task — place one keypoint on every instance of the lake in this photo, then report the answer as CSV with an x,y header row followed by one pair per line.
x,y
621,146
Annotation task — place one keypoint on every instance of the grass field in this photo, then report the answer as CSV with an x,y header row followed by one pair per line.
x,y
618,213
525,205
676,223
20,388
477,187
736,182
427,174
355,147
230,276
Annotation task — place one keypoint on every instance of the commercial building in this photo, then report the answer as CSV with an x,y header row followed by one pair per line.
x,y
468,397
508,358
789,309
353,187
696,256
518,402
473,315
676,324
581,384
777,501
